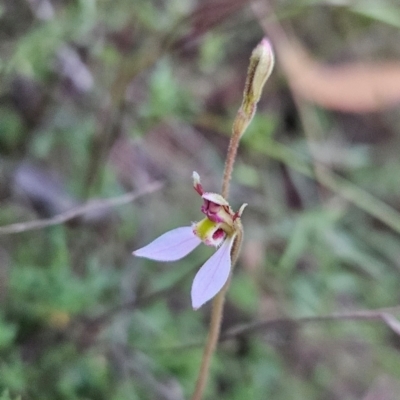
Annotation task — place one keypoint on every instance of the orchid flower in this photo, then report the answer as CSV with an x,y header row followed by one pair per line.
x,y
219,229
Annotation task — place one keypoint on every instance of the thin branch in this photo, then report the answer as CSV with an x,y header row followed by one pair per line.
x,y
92,205
384,314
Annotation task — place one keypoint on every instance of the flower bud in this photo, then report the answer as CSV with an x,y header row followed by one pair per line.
x,y
260,68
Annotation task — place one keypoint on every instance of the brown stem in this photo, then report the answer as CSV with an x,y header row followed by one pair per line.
x,y
212,340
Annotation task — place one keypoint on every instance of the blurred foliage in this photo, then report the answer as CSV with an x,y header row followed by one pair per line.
x,y
98,98
6,396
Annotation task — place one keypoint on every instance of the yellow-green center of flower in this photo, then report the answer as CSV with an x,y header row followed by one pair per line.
x,y
204,228
209,232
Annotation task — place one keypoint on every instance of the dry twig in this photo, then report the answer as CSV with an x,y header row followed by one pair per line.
x,y
383,314
92,205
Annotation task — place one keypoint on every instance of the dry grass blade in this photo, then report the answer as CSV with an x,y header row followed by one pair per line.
x,y
352,87
357,87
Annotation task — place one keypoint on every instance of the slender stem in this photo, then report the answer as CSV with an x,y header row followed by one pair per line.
x,y
237,131
260,67
215,324
239,126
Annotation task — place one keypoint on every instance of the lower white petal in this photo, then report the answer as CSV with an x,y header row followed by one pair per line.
x,y
213,275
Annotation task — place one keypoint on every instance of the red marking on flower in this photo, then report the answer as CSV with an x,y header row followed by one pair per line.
x,y
199,189
211,210
219,234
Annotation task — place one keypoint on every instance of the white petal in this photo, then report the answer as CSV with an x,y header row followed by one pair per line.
x,y
170,246
215,198
213,275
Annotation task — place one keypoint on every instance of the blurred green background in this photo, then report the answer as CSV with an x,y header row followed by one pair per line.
x,y
101,98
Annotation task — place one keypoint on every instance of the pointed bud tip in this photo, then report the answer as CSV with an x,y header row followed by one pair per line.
x,y
265,56
264,49
266,44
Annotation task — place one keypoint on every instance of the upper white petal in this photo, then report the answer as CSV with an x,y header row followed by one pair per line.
x,y
215,198
170,246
